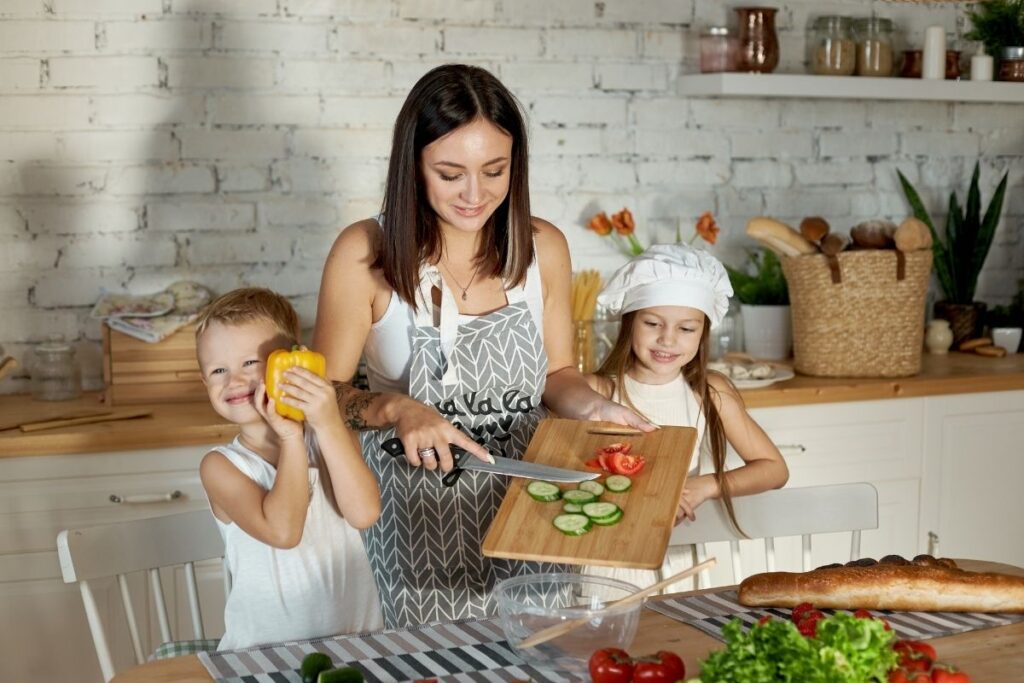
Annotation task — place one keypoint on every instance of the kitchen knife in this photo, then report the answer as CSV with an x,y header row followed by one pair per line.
x,y
464,460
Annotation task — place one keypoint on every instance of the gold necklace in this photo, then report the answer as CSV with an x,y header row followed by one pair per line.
x,y
466,288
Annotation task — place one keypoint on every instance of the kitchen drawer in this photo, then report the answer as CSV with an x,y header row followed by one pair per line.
x,y
837,443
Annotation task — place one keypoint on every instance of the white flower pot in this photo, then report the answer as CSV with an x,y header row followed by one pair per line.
x,y
1007,337
767,331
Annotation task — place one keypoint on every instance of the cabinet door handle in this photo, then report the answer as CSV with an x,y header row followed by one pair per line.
x,y
791,448
143,498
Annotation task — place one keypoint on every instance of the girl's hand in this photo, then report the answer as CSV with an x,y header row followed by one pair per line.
x,y
282,426
313,395
697,490
419,426
609,411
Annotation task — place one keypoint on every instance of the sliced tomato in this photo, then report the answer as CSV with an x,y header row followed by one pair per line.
x,y
595,463
626,448
625,463
602,459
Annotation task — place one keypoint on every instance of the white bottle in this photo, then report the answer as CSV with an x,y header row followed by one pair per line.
x,y
981,65
934,57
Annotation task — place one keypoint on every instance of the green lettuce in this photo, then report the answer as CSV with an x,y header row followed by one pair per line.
x,y
845,650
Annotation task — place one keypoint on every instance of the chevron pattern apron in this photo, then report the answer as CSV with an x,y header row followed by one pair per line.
x,y
485,376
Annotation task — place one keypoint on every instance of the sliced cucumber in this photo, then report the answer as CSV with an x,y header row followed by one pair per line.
x,y
572,525
608,521
572,508
600,510
579,497
543,491
618,483
593,486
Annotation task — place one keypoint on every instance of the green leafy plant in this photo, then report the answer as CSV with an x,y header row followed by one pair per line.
x,y
1008,316
766,286
997,24
961,251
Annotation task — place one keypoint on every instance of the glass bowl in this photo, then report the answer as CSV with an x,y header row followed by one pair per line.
x,y
532,603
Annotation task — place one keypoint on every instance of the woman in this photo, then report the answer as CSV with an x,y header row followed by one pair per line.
x,y
460,301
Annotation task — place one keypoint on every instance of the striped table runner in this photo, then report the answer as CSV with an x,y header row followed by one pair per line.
x,y
465,651
711,611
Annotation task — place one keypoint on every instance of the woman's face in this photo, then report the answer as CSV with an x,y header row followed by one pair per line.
x,y
466,174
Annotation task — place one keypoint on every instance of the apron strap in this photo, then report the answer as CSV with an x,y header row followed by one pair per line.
x,y
430,277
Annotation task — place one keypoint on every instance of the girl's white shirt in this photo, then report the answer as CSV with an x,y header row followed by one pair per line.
x,y
321,587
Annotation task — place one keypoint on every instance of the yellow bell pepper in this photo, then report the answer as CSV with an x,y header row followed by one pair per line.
x,y
283,359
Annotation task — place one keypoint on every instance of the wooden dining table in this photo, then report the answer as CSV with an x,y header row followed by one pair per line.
x,y
993,654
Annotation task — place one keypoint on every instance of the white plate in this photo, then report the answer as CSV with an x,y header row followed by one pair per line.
x,y
782,373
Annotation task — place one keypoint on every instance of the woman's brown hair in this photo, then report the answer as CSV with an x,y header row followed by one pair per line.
x,y
621,358
445,99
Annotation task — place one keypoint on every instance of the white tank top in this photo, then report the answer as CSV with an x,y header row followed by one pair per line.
x,y
321,587
388,347
675,404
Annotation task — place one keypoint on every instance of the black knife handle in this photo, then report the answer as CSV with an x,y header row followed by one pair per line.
x,y
393,447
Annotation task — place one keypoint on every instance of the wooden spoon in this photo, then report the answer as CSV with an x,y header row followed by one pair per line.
x,y
552,632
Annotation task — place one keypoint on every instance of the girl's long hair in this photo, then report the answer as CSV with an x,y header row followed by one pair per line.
x,y
621,359
446,98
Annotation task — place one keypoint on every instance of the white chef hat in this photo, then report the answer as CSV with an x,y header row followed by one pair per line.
x,y
669,275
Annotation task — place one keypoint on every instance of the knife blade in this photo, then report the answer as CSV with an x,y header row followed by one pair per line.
x,y
520,468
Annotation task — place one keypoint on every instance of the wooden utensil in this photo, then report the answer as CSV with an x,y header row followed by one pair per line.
x,y
523,528
557,630
70,421
7,365
24,418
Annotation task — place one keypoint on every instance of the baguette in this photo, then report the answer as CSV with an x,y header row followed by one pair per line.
x,y
923,585
779,237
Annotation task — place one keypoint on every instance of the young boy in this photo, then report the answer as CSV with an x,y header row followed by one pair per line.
x,y
288,500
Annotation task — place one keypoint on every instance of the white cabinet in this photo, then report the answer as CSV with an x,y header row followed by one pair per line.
x,y
43,632
972,497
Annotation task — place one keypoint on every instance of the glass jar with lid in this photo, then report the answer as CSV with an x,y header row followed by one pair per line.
x,y
873,36
832,50
718,50
56,375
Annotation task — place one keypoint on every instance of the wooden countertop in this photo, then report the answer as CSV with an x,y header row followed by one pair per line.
x,y
954,373
184,424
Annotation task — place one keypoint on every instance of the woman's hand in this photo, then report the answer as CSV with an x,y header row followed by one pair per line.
x,y
419,427
609,411
282,426
313,395
697,490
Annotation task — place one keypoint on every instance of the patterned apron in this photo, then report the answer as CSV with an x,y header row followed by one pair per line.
x,y
485,376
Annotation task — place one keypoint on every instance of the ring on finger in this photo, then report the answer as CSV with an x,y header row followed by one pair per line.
x,y
426,452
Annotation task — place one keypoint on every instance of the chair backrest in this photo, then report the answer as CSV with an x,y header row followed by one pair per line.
x,y
783,512
116,550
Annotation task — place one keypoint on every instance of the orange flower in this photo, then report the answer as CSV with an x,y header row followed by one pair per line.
x,y
600,224
623,222
707,228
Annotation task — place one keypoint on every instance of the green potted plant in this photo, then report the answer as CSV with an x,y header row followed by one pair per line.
x,y
999,26
960,252
764,298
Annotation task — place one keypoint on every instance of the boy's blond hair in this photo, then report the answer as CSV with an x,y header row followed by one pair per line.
x,y
248,304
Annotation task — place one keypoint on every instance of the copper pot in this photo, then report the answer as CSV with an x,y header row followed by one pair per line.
x,y
759,44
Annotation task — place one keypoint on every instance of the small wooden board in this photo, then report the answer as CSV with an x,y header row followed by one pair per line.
x,y
523,528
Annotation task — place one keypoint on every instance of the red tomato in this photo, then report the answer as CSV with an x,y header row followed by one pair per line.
x,y
602,460
808,626
945,674
612,448
611,665
920,664
662,667
595,463
798,611
626,448
764,620
623,463
863,614
922,649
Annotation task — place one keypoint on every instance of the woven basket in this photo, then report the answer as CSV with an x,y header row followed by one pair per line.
x,y
857,319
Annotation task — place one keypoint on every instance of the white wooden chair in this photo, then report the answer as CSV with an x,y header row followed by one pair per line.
x,y
782,512
118,549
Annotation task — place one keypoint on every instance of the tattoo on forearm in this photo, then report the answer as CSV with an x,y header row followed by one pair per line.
x,y
353,403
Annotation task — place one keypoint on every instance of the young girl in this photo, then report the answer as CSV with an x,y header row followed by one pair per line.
x,y
288,500
669,298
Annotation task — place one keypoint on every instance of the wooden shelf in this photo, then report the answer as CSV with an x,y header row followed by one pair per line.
x,y
847,87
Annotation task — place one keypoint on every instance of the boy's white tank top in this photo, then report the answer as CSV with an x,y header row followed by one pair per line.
x,y
321,587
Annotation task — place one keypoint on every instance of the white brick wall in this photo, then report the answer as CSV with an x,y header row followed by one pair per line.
x,y
227,141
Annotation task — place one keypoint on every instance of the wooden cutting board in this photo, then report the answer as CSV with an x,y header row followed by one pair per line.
x,y
523,528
